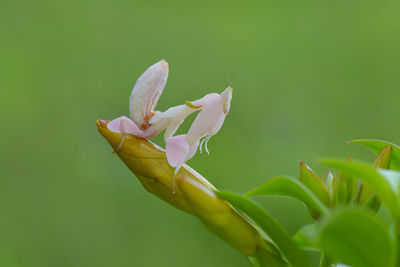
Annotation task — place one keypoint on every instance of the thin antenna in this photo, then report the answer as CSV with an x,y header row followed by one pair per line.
x,y
230,80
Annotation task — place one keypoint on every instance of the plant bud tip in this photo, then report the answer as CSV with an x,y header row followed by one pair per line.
x,y
102,123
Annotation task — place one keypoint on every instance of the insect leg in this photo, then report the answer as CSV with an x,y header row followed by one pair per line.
x,y
123,133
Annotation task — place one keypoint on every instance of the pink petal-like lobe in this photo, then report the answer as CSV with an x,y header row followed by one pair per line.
x,y
178,150
146,92
208,122
171,119
226,97
125,125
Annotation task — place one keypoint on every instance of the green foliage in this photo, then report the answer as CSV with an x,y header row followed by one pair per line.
x,y
357,238
339,191
290,187
366,194
346,229
305,238
378,145
314,183
384,183
295,256
219,217
269,259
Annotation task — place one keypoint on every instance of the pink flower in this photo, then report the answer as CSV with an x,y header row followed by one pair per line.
x,y
145,122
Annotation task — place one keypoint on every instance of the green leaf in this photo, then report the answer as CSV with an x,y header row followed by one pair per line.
x,y
366,193
385,183
339,194
254,261
329,182
326,261
267,259
357,238
305,238
384,158
295,256
377,146
314,183
289,187
268,256
393,179
351,186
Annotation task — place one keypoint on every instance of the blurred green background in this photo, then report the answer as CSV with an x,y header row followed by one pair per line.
x,y
308,75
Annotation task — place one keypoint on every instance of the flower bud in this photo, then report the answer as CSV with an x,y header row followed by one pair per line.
x,y
193,193
219,217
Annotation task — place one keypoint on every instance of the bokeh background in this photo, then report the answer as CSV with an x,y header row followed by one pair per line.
x,y
308,76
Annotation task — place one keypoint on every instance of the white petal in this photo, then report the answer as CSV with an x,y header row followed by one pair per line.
x,y
146,92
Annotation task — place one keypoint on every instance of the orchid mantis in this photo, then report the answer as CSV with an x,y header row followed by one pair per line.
x,y
145,122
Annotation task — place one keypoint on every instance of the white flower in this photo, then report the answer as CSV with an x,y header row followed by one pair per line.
x,y
145,122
